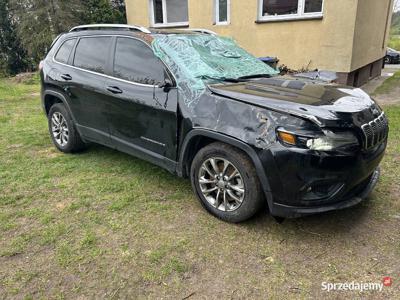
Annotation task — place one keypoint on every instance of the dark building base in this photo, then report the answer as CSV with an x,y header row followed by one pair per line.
x,y
362,75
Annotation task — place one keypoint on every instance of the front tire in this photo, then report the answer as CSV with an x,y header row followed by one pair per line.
x,y
225,181
62,130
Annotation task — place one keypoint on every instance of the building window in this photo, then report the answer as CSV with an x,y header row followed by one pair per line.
x,y
169,13
222,11
313,6
272,10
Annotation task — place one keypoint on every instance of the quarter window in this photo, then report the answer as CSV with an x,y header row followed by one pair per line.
x,y
289,9
134,61
64,52
171,13
92,53
222,12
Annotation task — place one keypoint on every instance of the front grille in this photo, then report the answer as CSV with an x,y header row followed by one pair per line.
x,y
375,131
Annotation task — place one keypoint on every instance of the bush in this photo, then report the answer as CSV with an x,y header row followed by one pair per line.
x,y
394,42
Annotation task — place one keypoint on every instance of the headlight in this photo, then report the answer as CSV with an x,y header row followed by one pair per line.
x,y
328,141
331,141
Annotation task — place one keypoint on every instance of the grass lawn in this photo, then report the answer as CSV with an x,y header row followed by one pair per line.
x,y
102,224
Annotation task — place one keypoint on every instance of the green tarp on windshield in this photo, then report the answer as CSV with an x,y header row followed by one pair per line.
x,y
195,59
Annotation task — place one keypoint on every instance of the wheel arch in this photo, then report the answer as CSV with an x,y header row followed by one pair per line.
x,y
51,97
199,138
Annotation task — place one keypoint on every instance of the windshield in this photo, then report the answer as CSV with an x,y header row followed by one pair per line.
x,y
195,59
207,56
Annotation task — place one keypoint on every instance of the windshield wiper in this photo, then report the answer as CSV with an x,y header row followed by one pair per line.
x,y
254,76
242,78
223,79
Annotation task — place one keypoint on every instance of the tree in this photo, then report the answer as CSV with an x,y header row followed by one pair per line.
x,y
28,27
13,58
40,21
119,11
104,11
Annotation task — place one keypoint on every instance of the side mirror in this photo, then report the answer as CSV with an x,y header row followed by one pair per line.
x,y
166,85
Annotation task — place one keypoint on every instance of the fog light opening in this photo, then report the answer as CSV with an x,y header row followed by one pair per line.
x,y
321,190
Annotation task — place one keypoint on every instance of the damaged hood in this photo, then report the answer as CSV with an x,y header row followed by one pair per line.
x,y
319,102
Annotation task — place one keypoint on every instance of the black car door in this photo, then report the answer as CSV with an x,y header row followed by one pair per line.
x,y
142,114
84,83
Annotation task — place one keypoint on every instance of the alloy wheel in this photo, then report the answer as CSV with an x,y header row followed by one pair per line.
x,y
221,184
59,128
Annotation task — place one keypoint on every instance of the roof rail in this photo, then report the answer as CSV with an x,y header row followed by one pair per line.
x,y
110,26
201,30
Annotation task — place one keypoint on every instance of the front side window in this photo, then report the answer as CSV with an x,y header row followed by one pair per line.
x,y
222,12
289,9
64,52
166,13
92,53
134,61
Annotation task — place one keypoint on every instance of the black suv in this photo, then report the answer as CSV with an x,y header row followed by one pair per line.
x,y
392,56
200,106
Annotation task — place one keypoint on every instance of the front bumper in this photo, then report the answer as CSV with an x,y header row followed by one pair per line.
x,y
303,182
396,60
287,211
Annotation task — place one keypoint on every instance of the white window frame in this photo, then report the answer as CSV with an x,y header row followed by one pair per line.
x,y
299,16
216,13
165,17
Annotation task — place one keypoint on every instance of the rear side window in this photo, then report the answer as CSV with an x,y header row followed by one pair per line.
x,y
64,52
92,53
136,62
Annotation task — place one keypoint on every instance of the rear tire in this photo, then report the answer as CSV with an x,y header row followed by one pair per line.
x,y
62,130
232,198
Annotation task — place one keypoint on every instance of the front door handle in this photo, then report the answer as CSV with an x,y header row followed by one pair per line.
x,y
66,77
114,89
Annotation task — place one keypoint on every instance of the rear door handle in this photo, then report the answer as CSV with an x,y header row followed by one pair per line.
x,y
66,77
114,89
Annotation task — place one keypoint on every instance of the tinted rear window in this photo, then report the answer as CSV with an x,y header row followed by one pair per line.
x,y
135,61
92,53
65,50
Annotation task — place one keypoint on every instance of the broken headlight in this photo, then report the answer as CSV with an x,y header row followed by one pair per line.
x,y
332,141
327,141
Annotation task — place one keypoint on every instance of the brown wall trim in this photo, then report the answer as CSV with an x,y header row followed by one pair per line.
x,y
362,75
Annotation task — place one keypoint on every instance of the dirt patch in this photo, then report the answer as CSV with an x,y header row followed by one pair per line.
x,y
49,153
391,98
388,91
15,146
26,78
